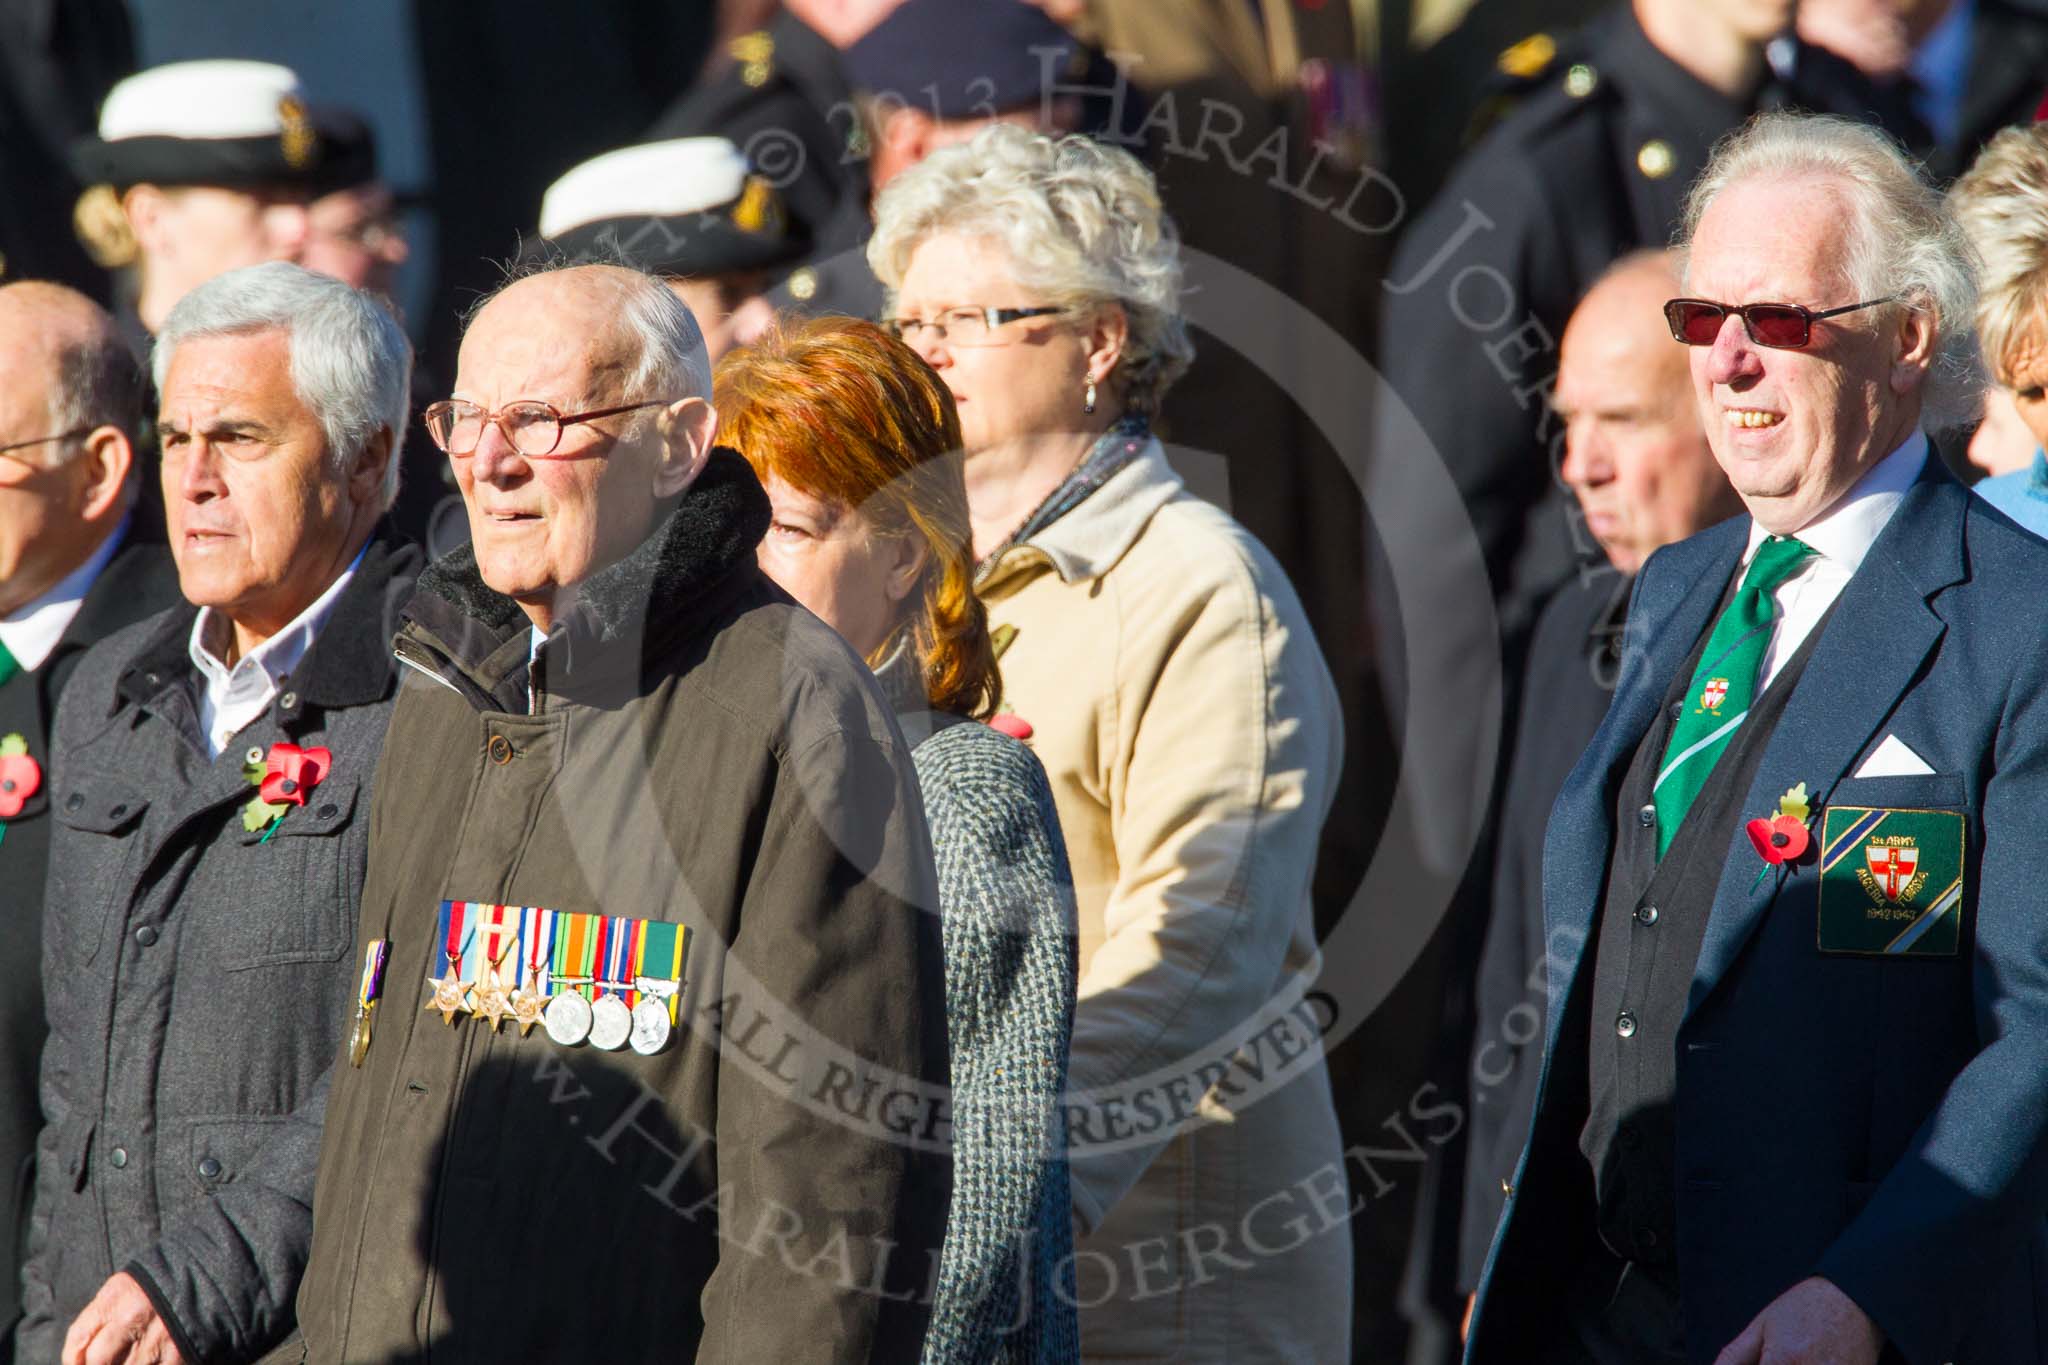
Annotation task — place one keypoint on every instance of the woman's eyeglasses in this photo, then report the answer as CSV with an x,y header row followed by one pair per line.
x,y
965,326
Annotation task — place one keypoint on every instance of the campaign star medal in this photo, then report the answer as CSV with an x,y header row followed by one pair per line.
x,y
20,778
531,999
492,1004
450,993
1892,882
367,994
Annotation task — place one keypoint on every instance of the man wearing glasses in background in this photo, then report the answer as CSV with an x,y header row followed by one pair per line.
x,y
1794,1098
71,572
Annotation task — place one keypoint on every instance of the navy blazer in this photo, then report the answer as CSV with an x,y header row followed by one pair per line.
x,y
1880,1121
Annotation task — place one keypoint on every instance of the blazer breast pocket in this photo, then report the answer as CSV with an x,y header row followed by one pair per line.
x,y
301,884
1894,860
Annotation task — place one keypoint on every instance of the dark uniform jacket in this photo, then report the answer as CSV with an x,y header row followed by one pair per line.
x,y
1849,1100
139,580
197,976
1574,659
689,747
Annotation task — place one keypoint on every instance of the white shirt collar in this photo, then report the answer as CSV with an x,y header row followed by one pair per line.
x,y
1845,532
235,696
31,632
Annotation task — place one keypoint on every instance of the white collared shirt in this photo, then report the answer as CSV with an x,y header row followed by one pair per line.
x,y
31,632
1842,535
233,697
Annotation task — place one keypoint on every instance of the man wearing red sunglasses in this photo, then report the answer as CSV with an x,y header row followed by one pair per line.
x,y
1794,1095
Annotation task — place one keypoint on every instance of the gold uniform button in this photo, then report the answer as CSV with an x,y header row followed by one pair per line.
x,y
1529,58
803,283
1580,81
500,749
1656,159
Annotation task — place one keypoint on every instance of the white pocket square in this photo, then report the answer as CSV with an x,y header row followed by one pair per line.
x,y
1893,759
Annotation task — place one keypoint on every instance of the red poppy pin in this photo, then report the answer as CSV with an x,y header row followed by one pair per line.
x,y
20,776
1783,838
282,778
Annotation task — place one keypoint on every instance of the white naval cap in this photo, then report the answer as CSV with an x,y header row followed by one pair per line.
x,y
230,123
212,99
653,180
685,207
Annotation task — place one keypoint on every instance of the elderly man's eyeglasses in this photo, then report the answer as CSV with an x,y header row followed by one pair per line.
x,y
529,426
966,326
1784,326
71,435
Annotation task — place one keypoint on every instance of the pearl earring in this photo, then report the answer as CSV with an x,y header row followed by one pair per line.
x,y
1088,399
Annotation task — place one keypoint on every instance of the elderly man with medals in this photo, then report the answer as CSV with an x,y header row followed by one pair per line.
x,y
210,779
638,804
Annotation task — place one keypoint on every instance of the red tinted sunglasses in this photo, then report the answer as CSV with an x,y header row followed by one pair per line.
x,y
1786,326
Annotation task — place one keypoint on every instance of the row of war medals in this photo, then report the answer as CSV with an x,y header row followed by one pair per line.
x,y
570,1019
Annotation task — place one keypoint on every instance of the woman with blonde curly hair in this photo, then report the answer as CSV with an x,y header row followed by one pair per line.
x,y
1168,678
854,439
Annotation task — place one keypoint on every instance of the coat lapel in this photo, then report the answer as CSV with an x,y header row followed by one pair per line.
x,y
1869,652
1675,599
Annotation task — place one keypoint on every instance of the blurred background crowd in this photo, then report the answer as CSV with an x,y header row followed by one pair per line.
x,y
1470,195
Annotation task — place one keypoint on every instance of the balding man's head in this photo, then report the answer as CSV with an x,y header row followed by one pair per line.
x,y
551,503
70,401
1635,454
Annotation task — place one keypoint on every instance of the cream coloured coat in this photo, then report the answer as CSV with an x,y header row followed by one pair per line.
x,y
1183,712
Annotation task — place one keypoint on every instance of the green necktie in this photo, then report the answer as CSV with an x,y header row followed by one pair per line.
x,y
9,665
1724,685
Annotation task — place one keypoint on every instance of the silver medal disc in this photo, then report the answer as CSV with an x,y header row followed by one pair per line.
x,y
611,1023
568,1018
651,1027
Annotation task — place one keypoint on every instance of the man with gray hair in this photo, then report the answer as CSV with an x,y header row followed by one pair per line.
x,y
1794,1096
73,570
210,780
637,799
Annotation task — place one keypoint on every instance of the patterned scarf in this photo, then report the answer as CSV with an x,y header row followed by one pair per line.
x,y
1113,450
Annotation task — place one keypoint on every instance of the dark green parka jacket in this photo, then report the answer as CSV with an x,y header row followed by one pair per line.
x,y
687,746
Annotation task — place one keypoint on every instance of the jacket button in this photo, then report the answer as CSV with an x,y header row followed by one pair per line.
x,y
73,801
119,1156
1646,913
501,749
146,936
1625,1025
1677,709
117,812
329,811
209,1168
1647,816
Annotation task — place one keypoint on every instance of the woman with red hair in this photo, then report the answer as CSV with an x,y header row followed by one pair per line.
x,y
856,441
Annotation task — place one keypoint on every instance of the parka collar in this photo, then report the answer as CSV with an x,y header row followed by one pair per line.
x,y
665,588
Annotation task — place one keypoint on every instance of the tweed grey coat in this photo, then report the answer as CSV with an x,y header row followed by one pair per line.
x,y
199,978
1005,1290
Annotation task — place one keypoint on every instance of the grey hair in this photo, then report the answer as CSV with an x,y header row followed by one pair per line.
x,y
1900,238
2002,203
671,362
1081,221
351,364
